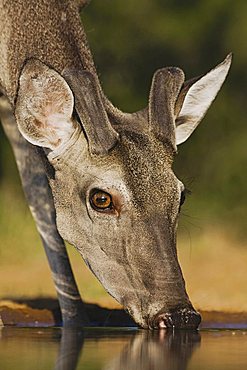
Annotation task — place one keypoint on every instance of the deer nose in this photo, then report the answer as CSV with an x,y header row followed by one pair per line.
x,y
182,318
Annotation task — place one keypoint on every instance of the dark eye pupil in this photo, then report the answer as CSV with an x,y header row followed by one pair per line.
x,y
101,199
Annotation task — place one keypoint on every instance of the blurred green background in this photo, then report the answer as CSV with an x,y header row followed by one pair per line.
x,y
130,39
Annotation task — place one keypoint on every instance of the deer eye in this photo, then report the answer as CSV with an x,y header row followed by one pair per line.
x,y
100,200
182,198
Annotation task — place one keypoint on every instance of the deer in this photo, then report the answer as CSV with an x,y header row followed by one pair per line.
x,y
95,176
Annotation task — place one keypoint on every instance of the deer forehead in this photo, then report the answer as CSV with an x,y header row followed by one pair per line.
x,y
148,166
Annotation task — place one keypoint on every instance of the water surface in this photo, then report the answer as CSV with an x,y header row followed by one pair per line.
x,y
115,349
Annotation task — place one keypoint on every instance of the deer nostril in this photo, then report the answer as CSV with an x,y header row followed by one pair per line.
x,y
157,323
162,324
162,321
180,319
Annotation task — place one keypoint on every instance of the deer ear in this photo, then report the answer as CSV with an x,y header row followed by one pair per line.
x,y
44,106
196,97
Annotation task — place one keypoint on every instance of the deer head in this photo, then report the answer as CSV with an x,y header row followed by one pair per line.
x,y
116,197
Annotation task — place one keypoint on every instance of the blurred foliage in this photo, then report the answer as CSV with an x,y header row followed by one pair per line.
x,y
130,40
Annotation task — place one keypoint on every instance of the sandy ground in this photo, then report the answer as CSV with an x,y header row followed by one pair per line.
x,y
45,312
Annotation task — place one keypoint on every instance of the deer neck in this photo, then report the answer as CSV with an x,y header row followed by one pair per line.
x,y
49,30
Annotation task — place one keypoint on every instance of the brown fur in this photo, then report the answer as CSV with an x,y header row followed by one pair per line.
x,y
61,43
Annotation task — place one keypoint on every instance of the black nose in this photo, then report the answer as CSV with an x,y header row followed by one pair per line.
x,y
182,318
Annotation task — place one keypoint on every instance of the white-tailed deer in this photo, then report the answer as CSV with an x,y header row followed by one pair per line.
x,y
93,175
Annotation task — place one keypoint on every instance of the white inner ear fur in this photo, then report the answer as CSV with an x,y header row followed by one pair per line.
x,y
198,99
44,106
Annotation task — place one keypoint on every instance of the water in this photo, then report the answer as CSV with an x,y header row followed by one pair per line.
x,y
115,349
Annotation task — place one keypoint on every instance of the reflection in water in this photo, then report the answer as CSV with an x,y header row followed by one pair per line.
x,y
70,347
157,350
121,349
125,349
145,350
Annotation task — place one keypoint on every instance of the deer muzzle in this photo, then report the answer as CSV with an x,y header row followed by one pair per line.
x,y
181,318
